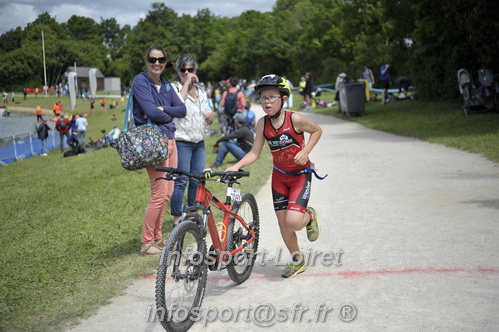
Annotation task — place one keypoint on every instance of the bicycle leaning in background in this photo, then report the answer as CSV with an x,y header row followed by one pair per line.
x,y
185,260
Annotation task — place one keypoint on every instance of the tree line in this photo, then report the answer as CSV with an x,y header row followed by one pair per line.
x,y
426,40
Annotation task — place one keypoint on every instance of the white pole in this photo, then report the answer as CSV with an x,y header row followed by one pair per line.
x,y
76,79
44,67
72,92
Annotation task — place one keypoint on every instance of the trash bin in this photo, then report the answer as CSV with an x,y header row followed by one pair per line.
x,y
352,98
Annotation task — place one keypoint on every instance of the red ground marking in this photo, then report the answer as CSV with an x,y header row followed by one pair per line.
x,y
350,274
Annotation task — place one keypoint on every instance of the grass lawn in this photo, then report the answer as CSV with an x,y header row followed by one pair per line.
x,y
70,230
47,102
70,227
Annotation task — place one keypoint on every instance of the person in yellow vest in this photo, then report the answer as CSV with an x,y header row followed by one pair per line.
x,y
368,77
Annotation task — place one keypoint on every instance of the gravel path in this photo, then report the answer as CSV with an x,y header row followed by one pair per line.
x,y
409,243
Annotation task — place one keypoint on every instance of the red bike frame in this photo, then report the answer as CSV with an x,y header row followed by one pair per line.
x,y
204,197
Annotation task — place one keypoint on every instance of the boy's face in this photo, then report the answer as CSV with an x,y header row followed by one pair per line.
x,y
271,101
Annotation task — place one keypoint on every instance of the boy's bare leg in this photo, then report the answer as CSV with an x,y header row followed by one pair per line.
x,y
291,222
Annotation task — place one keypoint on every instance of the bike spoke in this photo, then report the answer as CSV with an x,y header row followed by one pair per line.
x,y
241,264
181,277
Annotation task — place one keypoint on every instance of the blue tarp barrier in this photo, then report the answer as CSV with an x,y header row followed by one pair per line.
x,y
18,147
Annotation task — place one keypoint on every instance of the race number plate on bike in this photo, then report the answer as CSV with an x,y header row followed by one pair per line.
x,y
234,193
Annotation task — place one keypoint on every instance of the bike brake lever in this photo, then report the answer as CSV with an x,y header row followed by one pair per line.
x,y
167,178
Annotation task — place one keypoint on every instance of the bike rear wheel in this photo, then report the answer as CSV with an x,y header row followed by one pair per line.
x,y
241,264
181,278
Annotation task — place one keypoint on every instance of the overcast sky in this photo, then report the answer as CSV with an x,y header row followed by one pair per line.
x,y
21,12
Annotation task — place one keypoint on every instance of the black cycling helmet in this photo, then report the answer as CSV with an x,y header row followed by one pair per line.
x,y
273,81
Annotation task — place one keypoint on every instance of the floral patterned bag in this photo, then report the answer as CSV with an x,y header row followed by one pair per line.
x,y
141,146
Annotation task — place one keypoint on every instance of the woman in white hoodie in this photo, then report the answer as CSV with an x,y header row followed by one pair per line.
x,y
191,131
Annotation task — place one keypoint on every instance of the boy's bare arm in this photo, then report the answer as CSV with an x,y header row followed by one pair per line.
x,y
255,151
303,124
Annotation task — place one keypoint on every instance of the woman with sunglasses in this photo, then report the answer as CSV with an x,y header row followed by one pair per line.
x,y
191,131
153,98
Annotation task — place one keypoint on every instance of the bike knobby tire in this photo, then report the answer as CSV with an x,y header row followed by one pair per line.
x,y
241,265
181,277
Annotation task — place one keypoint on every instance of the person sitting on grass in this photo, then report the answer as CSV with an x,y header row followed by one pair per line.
x,y
285,131
113,135
74,142
239,142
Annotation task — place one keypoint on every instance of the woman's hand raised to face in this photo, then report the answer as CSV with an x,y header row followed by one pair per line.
x,y
192,78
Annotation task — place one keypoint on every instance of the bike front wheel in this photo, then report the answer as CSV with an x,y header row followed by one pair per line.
x,y
181,278
241,264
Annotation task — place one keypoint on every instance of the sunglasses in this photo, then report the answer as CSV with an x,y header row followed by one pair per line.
x,y
190,70
153,60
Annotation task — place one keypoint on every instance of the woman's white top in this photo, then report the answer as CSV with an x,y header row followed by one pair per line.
x,y
193,127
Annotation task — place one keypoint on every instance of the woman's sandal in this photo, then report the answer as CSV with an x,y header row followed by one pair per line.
x,y
160,243
149,249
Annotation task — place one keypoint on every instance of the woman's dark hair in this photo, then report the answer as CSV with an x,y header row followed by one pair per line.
x,y
234,81
157,47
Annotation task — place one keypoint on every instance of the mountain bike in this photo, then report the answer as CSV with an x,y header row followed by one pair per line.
x,y
185,260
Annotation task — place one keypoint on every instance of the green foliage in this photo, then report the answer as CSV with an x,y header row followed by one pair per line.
x,y
81,28
450,35
425,40
11,40
60,52
13,69
48,21
114,36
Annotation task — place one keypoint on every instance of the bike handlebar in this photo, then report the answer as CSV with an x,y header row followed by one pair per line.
x,y
204,175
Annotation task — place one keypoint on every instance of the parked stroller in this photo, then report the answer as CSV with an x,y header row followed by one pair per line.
x,y
475,98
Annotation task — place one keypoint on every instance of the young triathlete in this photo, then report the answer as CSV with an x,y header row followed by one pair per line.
x,y
291,177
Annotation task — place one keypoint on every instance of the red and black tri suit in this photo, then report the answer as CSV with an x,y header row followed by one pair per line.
x,y
290,192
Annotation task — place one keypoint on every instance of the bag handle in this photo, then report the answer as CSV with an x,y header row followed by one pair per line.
x,y
129,112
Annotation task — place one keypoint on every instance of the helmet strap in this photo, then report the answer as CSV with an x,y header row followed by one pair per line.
x,y
275,116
